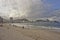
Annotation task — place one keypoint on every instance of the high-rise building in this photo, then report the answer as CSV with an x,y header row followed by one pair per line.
x,y
1,19
11,19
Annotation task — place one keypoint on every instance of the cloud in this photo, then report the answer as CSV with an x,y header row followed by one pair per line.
x,y
55,15
13,7
32,9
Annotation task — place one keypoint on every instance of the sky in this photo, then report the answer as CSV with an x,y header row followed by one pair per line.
x,y
32,9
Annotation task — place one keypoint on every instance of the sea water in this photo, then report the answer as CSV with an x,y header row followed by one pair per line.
x,y
54,26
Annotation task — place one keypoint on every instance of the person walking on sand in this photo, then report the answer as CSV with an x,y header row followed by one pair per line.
x,y
23,27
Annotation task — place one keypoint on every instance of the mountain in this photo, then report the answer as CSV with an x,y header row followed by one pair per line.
x,y
21,20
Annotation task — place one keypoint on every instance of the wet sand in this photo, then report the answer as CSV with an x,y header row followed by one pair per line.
x,y
9,32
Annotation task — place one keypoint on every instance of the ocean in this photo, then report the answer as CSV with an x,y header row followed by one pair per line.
x,y
39,25
52,26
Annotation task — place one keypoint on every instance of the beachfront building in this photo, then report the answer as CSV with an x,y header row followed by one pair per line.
x,y
1,21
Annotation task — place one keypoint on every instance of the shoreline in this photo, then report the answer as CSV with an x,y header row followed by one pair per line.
x,y
42,27
34,34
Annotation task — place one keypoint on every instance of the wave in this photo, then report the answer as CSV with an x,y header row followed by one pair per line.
x,y
34,26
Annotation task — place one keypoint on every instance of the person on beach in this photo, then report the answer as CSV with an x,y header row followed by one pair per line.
x,y
23,27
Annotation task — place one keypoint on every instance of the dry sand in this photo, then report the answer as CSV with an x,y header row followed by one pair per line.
x,y
9,32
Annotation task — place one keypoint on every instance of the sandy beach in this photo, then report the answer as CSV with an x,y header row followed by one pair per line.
x,y
9,32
